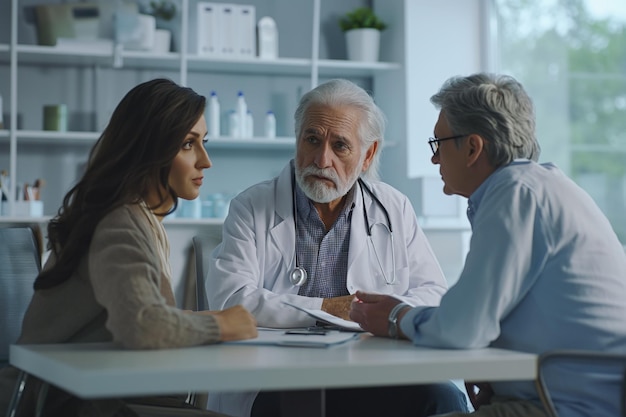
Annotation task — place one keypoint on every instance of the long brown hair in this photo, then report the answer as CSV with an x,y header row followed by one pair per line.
x,y
133,155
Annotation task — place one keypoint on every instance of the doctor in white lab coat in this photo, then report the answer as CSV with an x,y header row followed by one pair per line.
x,y
253,264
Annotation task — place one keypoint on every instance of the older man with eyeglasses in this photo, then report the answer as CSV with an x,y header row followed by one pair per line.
x,y
545,270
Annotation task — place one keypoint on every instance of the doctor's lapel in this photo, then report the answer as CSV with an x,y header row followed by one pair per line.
x,y
282,232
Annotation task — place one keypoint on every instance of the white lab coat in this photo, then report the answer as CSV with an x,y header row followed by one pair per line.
x,y
252,265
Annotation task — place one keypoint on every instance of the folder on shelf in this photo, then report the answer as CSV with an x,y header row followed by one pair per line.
x,y
208,28
245,41
228,30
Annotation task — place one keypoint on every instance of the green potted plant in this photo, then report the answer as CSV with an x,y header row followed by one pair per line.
x,y
163,9
362,28
164,12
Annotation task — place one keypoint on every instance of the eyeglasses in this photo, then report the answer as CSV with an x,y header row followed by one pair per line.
x,y
434,142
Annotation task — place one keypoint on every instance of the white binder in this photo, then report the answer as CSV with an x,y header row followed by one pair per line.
x,y
208,28
228,30
246,33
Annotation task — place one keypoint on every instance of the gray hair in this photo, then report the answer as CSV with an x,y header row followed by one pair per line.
x,y
494,106
339,92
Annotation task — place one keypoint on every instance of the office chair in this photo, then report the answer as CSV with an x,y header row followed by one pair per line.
x,y
580,357
20,263
202,246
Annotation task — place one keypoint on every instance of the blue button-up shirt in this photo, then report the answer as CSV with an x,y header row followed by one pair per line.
x,y
545,271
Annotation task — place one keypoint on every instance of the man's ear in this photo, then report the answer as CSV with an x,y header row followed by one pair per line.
x,y
475,148
369,156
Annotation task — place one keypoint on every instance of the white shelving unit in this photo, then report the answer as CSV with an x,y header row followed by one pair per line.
x,y
311,48
25,147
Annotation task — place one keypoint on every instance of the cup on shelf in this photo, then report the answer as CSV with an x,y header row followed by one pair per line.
x,y
189,209
55,117
207,208
28,208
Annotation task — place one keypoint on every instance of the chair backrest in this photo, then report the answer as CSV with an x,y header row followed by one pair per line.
x,y
613,360
20,263
203,245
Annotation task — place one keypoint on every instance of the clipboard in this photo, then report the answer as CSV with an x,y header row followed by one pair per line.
x,y
299,338
341,324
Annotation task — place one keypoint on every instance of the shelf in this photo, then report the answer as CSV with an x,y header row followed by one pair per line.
x,y
44,137
257,143
22,219
444,225
167,222
49,55
250,66
193,222
340,67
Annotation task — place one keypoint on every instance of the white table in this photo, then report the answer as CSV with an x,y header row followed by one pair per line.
x,y
104,370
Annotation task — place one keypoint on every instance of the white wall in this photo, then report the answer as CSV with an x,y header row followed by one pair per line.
x,y
443,39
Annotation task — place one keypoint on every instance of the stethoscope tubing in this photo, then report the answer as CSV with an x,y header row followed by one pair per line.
x,y
299,275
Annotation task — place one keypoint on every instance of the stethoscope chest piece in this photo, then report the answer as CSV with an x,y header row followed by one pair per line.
x,y
298,276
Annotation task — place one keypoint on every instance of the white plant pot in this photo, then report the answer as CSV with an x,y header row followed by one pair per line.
x,y
363,44
162,41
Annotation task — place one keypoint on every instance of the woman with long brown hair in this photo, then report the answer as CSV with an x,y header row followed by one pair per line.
x,y
108,274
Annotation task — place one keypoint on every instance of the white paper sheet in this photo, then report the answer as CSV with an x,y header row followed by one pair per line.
x,y
329,318
298,338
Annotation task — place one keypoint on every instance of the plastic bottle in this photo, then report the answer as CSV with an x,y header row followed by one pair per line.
x,y
267,38
214,115
249,125
233,124
242,114
270,125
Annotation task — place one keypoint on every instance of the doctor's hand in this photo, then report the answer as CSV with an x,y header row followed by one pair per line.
x,y
338,306
371,311
235,323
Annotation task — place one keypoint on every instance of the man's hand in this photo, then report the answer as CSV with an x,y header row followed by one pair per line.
x,y
371,311
338,306
483,396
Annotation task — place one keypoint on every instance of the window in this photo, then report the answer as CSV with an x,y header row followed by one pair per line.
x,y
571,57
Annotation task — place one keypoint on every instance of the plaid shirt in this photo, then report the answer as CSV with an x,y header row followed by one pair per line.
x,y
323,254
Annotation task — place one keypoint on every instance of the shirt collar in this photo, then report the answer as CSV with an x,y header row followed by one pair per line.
x,y
473,202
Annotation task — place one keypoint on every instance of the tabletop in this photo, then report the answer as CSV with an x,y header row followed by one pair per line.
x,y
106,370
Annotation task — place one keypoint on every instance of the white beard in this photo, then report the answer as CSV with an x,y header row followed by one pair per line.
x,y
318,191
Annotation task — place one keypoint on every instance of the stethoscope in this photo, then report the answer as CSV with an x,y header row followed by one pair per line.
x,y
299,276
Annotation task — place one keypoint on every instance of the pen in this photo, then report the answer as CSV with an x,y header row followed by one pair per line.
x,y
307,332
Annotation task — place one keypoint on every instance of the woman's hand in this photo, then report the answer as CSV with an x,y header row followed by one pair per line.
x,y
235,323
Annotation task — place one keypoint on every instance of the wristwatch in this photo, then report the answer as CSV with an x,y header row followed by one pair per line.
x,y
393,320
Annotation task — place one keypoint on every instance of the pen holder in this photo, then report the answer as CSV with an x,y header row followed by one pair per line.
x,y
29,208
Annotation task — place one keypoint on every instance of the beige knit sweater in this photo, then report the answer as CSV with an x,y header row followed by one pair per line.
x,y
120,292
